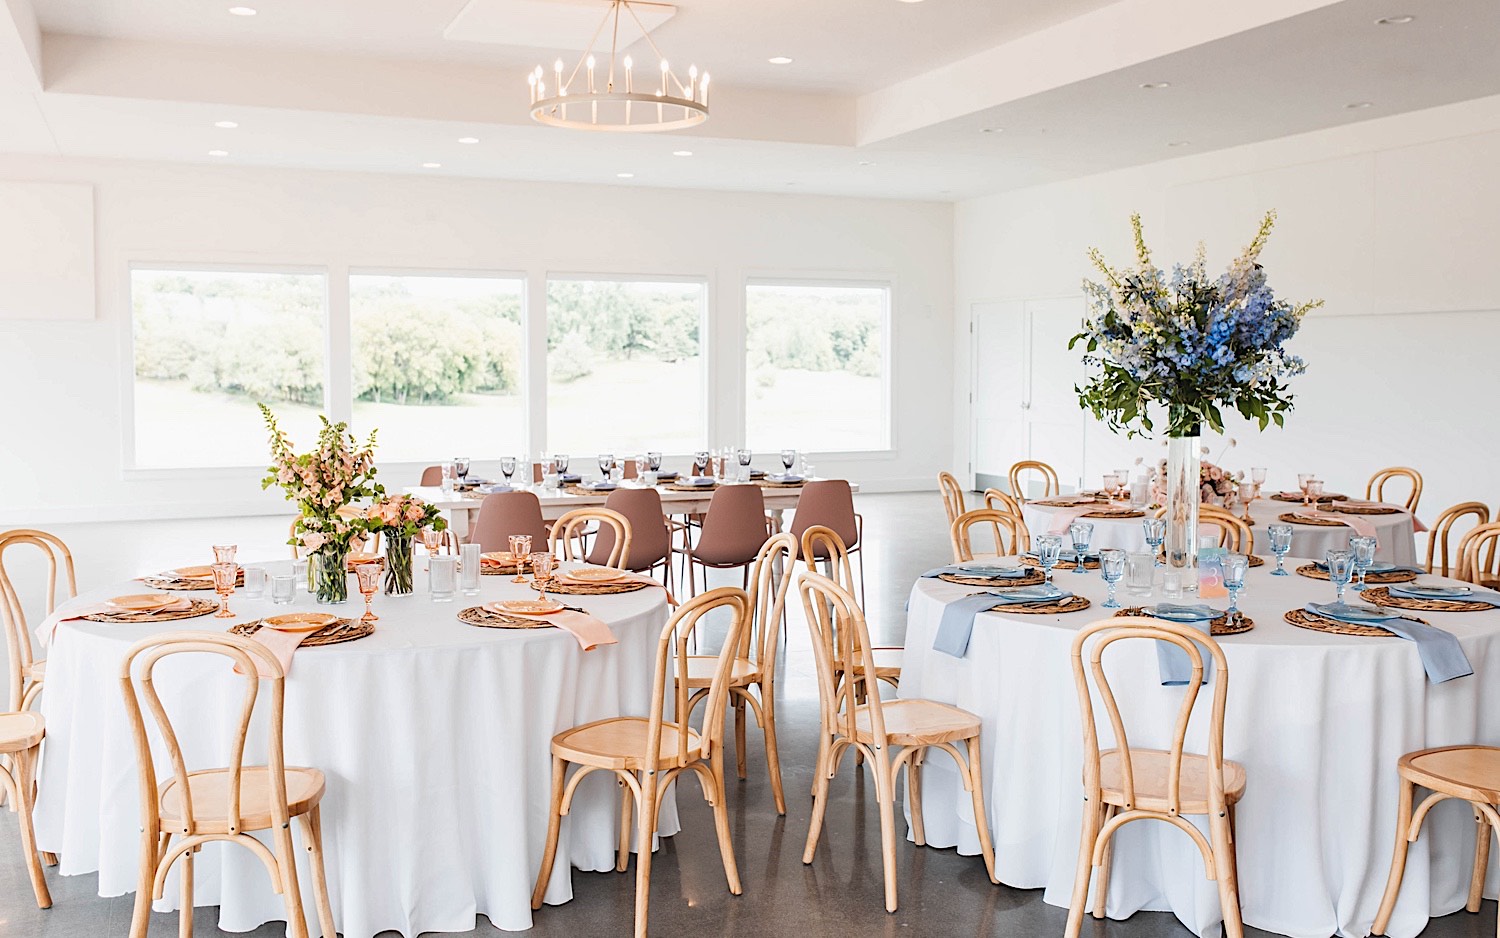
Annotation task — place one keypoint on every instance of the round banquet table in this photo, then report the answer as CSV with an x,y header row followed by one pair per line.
x,y
1396,533
1318,720
434,737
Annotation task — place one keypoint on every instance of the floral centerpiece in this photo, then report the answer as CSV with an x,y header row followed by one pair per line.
x,y
324,483
401,518
1190,345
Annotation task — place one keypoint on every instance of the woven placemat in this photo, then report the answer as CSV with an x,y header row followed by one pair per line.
x,y
1311,571
490,569
1255,561
1071,604
594,589
1065,502
199,607
1032,578
1365,509
1303,619
334,633
768,484
1293,518
487,619
1325,497
678,487
1219,626
1381,596
578,489
1116,513
187,584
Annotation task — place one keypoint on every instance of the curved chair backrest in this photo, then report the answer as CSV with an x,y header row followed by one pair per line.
x,y
432,477
1100,636
1442,532
841,644
823,543
17,633
256,666
1234,534
650,541
571,527
1019,539
771,578
734,527
1376,488
671,671
1049,478
505,513
1476,554
1000,501
827,503
953,495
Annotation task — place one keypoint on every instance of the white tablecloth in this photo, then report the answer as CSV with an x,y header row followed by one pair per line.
x,y
1318,721
434,737
1395,533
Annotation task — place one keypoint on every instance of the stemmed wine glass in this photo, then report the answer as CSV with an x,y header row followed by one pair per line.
x,y
432,539
789,459
1315,491
224,553
1111,486
1340,571
1302,479
1281,545
1156,532
224,577
1124,476
700,462
1258,476
653,460
1048,551
461,464
541,572
606,465
1082,534
1363,549
1235,566
520,549
1111,568
744,455
507,467
369,581
562,463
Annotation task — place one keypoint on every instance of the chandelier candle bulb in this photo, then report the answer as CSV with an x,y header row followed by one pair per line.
x,y
591,74
629,80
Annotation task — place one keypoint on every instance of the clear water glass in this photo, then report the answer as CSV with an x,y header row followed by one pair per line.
x,y
1235,567
1082,535
255,582
468,569
1140,571
507,467
1340,571
442,578
1363,548
299,573
1112,569
283,588
653,460
1281,545
1048,551
1155,530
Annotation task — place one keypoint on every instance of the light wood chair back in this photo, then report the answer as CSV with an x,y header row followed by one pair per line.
x,y
24,682
1015,539
1439,560
1049,479
953,495
570,529
1476,555
671,671
1375,490
841,643
1234,534
771,579
822,541
1000,501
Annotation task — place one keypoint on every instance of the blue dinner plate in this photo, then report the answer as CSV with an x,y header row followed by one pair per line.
x,y
1174,612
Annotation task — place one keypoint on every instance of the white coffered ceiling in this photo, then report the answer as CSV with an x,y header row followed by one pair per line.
x,y
882,98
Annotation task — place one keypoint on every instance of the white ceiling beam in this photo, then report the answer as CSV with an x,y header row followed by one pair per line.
x,y
21,42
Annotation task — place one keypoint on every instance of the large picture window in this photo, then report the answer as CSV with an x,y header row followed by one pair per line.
x,y
624,366
207,346
815,363
436,363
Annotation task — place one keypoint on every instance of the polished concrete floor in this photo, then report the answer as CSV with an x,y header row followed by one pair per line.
x,y
840,894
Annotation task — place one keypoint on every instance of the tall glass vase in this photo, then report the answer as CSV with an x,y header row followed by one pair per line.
x,y
328,574
398,564
1182,507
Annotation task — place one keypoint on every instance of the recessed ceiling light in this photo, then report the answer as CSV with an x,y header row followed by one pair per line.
x,y
624,175
1179,143
911,1
468,139
432,165
867,162
1401,20
1357,105
242,11
780,60
218,152
992,130
225,125
1154,85
682,152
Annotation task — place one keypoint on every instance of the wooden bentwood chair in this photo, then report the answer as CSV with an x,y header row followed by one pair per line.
x,y
953,495
1016,539
1375,489
1439,560
889,734
27,673
1051,487
1477,555
1469,773
820,543
1125,784
1000,501
572,527
755,660
1234,534
204,805
647,753
21,742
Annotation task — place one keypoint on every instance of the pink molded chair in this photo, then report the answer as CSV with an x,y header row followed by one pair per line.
x,y
829,503
432,476
651,536
734,528
505,513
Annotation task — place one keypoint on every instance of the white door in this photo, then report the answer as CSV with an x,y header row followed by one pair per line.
x,y
1054,420
998,350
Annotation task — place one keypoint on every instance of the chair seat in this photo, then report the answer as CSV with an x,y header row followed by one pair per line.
x,y
700,670
1468,772
620,743
887,663
1152,769
210,790
918,723
36,671
21,731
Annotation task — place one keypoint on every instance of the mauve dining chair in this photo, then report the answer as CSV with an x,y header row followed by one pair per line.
x,y
651,537
432,476
734,528
829,503
505,513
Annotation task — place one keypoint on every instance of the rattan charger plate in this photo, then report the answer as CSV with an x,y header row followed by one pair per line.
x,y
1065,502
1116,513
1381,596
1325,497
1219,626
1255,561
1071,604
570,588
187,584
1032,578
1365,510
769,484
1303,619
199,607
1293,518
488,619
1311,571
679,487
334,633
491,569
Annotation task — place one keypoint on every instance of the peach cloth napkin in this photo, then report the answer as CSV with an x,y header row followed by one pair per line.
x,y
652,581
590,632
282,646
45,630
1361,527
1416,523
1062,517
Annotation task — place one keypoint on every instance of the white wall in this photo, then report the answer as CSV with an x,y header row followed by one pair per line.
x,y
62,384
1394,222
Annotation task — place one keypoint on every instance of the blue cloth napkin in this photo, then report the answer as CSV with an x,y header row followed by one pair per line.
x,y
569,477
981,571
1478,596
1442,657
957,623
1172,662
600,486
784,477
